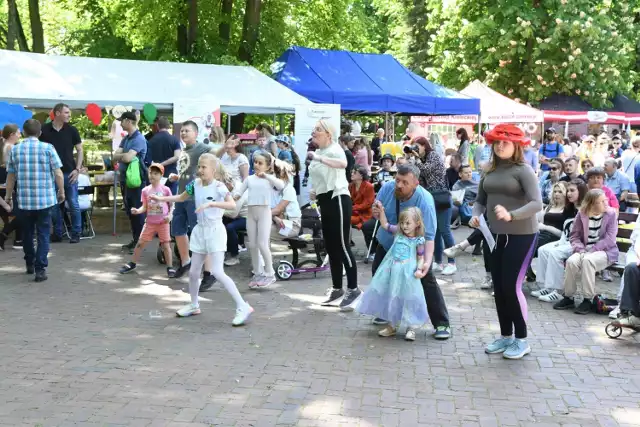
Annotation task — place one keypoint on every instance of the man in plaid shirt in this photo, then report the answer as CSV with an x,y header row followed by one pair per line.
x,y
36,168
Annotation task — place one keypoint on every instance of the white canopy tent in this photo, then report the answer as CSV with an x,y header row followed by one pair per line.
x,y
497,108
40,81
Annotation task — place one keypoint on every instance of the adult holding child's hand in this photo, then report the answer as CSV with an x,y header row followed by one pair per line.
x,y
331,189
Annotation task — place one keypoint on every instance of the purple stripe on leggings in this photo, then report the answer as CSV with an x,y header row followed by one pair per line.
x,y
525,264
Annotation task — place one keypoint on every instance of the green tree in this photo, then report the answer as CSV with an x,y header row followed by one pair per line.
x,y
577,47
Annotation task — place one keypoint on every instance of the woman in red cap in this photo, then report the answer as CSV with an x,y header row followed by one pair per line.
x,y
509,194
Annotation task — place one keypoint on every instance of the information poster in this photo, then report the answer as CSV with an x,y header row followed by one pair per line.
x,y
205,114
306,118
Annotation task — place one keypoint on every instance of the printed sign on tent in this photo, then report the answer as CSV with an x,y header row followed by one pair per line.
x,y
306,118
205,114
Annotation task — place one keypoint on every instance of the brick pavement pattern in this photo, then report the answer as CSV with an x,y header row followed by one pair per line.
x,y
90,347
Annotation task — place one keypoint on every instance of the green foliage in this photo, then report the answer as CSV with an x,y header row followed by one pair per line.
x,y
577,47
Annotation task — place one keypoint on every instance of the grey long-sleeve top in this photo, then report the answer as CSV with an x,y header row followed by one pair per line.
x,y
515,187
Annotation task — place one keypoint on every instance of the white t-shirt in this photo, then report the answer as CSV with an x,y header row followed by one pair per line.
x,y
84,200
325,178
233,165
216,191
260,189
289,194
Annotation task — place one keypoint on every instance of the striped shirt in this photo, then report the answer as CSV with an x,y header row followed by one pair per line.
x,y
595,222
34,163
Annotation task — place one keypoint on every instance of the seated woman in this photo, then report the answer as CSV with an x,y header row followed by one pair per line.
x,y
551,220
285,210
593,243
470,187
362,196
551,256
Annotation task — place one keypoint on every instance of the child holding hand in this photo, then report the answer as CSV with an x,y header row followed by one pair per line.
x,y
395,292
159,215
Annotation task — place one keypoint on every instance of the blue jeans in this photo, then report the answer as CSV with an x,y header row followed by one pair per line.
x,y
443,232
233,226
38,222
71,196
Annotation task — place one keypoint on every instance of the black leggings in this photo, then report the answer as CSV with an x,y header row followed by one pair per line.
x,y
476,238
336,232
509,261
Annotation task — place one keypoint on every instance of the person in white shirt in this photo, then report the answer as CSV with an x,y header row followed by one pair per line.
x,y
234,162
260,187
285,210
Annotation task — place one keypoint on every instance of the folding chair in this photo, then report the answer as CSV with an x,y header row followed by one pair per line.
x,y
88,190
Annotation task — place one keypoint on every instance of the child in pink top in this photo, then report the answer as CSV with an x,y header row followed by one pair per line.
x,y
159,216
363,154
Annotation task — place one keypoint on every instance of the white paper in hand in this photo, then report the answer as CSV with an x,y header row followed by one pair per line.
x,y
163,181
484,229
286,230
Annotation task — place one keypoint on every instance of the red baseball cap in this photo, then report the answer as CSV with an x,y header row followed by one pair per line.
x,y
157,166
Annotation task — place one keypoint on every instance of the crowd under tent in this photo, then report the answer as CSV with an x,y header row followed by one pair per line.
x,y
40,81
366,83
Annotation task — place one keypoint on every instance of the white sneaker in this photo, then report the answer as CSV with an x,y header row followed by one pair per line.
x,y
615,313
453,251
606,276
449,269
410,335
487,283
552,296
188,310
242,314
541,292
255,279
266,281
232,260
436,268
242,248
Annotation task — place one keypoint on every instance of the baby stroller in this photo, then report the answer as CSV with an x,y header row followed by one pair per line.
x,y
311,220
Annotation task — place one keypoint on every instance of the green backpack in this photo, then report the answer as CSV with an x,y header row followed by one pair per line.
x,y
133,177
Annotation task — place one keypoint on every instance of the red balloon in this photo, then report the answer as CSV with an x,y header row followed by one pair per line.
x,y
51,115
94,113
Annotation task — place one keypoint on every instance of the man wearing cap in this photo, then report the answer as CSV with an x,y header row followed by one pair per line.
x,y
64,138
549,149
133,146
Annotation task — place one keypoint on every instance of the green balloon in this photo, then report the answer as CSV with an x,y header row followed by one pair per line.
x,y
150,112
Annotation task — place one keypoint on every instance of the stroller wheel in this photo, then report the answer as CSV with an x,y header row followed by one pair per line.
x,y
160,255
284,270
613,331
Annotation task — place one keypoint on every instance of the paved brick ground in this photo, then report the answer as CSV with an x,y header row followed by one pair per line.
x,y
86,349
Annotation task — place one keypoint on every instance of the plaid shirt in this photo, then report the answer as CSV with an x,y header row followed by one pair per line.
x,y
34,163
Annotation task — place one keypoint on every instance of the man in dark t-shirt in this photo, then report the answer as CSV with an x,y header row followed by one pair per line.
x,y
64,138
164,148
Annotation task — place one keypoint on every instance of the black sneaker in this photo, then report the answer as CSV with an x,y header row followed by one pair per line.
x,y
75,238
17,244
349,299
477,250
171,272
3,238
181,270
332,296
128,268
30,269
55,238
207,282
584,307
564,304
129,246
41,276
379,321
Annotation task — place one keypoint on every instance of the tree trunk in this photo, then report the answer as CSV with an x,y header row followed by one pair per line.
x,y
224,28
22,39
12,31
182,40
250,30
37,33
192,35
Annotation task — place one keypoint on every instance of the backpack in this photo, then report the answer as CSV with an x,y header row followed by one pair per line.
x,y
544,150
133,174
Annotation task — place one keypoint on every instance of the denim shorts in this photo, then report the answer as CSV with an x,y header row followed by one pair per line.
x,y
184,218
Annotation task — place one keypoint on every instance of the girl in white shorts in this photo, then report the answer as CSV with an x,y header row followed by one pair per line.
x,y
209,237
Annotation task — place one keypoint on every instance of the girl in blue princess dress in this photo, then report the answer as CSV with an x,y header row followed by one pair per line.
x,y
395,293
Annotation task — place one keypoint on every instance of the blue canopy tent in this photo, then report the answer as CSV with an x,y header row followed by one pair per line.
x,y
362,82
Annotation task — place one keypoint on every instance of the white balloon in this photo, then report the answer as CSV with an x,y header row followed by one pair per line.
x,y
118,110
399,122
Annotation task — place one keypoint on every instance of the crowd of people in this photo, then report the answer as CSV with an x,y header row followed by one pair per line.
x,y
558,202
